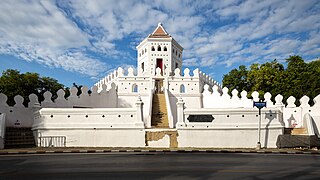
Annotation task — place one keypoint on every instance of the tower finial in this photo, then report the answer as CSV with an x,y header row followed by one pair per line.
x,y
159,24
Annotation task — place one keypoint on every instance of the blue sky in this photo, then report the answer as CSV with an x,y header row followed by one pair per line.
x,y
81,41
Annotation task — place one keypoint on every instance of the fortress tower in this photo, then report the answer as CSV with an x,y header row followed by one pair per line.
x,y
159,49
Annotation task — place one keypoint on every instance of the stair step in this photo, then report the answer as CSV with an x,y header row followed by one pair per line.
x,y
299,131
159,112
19,137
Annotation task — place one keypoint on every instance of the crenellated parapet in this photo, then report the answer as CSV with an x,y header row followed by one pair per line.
x,y
189,83
21,116
292,114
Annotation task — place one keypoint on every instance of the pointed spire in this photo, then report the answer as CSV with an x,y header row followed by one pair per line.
x,y
159,32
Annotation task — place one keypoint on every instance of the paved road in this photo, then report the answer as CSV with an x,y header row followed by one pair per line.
x,y
160,166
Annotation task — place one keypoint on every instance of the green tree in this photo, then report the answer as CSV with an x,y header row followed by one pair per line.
x,y
298,79
237,79
13,83
266,77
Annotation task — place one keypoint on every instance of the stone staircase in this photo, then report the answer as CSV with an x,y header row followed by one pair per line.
x,y
296,131
297,138
19,138
159,112
299,131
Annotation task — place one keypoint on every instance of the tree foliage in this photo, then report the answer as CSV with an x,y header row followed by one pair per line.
x,y
13,83
297,79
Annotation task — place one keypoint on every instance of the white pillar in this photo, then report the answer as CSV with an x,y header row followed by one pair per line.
x,y
180,114
139,105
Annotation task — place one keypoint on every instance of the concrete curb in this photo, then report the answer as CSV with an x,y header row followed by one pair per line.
x,y
15,152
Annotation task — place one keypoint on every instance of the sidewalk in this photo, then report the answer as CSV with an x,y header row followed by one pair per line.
x,y
52,150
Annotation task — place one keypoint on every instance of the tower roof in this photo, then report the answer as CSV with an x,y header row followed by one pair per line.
x,y
159,32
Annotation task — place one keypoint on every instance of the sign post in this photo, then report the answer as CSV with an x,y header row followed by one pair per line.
x,y
259,105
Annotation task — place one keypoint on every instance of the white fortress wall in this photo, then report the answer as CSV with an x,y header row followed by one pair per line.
x,y
234,122
130,86
292,115
185,86
236,128
21,116
91,127
17,115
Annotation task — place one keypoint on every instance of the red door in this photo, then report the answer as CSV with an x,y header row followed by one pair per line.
x,y
160,65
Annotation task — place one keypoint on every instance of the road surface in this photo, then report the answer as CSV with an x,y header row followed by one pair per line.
x,y
160,166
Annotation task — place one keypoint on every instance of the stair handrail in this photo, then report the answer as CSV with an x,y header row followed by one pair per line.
x,y
148,124
307,120
169,111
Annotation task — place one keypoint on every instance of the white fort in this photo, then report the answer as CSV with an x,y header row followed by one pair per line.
x,y
159,105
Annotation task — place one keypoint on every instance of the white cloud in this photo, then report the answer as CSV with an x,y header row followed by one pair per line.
x,y
38,31
190,62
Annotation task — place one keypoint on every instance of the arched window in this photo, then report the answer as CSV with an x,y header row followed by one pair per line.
x,y
179,55
142,52
145,50
159,48
173,51
165,48
135,88
176,52
182,89
152,48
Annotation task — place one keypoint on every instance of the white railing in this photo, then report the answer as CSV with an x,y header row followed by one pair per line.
x,y
52,141
169,110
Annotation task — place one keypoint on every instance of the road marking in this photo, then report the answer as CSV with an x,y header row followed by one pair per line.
x,y
241,171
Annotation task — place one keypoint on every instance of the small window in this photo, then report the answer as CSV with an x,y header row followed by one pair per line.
x,y
177,65
176,53
182,89
145,50
135,88
165,48
142,66
139,54
142,52
179,55
152,48
173,51
159,48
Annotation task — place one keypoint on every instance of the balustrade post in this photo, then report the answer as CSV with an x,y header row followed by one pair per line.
x,y
139,105
180,113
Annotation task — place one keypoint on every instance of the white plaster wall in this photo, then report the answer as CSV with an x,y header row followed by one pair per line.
x,y
231,128
227,138
191,101
126,83
100,137
17,116
293,117
86,118
129,100
109,127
